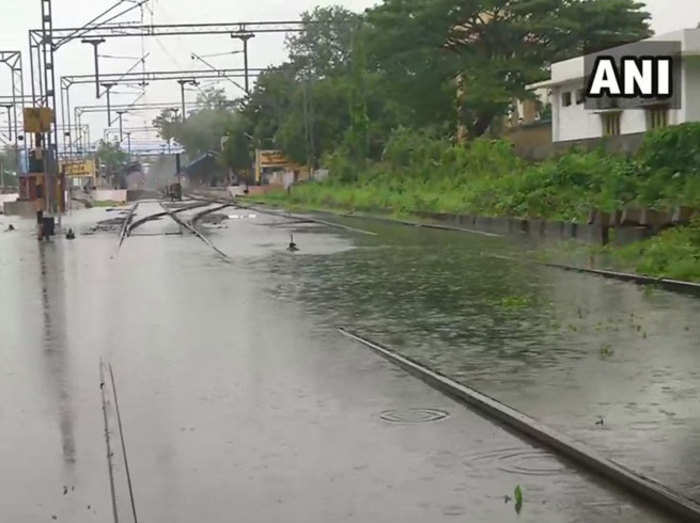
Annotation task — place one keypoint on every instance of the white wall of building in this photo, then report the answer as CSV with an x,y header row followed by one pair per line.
x,y
574,122
106,195
11,197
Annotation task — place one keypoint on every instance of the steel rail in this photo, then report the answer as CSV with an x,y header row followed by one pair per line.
x,y
194,231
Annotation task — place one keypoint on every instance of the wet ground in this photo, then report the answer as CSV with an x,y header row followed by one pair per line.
x,y
240,401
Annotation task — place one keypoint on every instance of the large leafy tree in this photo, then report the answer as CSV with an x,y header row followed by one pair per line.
x,y
324,48
236,153
202,130
487,51
112,160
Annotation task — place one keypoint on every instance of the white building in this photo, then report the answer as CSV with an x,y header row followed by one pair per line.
x,y
571,121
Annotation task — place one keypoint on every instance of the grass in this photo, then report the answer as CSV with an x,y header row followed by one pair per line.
x,y
673,254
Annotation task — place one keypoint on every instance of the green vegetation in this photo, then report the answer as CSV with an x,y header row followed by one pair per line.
x,y
436,68
420,172
515,302
107,203
8,169
674,254
380,98
606,351
112,161
518,496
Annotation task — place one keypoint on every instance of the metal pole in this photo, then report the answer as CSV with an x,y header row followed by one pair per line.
x,y
9,121
31,70
108,89
14,100
24,135
80,133
39,75
44,50
245,64
95,43
121,128
63,119
244,37
182,97
70,137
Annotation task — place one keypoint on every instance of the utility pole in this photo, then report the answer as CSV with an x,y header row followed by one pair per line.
x,y
95,42
244,36
183,82
108,89
121,128
128,139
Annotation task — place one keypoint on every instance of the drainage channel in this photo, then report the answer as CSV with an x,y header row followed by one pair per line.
x,y
639,485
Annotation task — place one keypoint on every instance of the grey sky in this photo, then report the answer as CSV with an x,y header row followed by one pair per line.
x,y
17,16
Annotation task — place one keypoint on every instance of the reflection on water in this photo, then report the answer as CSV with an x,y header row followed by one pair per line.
x,y
55,346
566,348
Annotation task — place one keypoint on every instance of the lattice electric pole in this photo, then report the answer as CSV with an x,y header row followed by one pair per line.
x,y
8,108
13,59
52,182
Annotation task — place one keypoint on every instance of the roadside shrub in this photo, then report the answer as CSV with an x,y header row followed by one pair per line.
x,y
669,160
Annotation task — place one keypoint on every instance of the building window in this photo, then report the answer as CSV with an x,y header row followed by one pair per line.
x,y
657,118
611,124
566,99
580,96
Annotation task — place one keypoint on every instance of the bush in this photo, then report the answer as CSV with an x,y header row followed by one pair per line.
x,y
675,253
421,171
669,161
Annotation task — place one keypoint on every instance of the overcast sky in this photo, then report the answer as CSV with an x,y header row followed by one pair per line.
x,y
17,16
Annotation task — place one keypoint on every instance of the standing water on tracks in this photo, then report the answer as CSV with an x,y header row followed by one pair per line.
x,y
240,400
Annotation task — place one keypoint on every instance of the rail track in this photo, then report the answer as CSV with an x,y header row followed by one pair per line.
x,y
193,230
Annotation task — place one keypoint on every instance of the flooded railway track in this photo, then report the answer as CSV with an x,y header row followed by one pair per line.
x,y
643,487
129,225
195,231
120,480
125,225
159,215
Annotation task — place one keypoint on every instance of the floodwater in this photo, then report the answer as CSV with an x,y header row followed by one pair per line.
x,y
241,402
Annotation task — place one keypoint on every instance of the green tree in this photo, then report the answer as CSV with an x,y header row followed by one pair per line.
x,y
8,165
112,160
324,47
489,50
357,138
204,127
168,123
236,153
